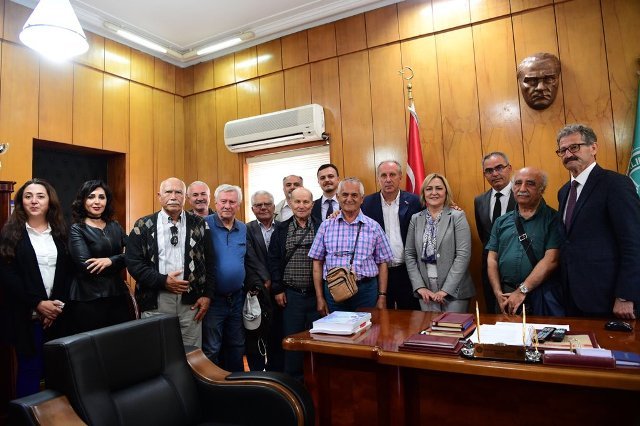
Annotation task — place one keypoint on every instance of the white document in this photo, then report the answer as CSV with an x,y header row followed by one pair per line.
x,y
507,333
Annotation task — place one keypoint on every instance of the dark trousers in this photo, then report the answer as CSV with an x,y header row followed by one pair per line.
x,y
489,298
99,313
399,290
31,367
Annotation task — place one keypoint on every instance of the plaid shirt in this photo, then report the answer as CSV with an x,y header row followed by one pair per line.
x,y
336,238
299,271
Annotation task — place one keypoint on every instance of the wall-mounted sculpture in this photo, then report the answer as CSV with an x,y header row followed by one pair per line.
x,y
538,78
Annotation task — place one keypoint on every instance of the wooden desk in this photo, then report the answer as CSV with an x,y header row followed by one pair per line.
x,y
367,381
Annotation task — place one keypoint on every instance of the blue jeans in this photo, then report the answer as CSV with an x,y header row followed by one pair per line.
x,y
366,297
223,333
298,315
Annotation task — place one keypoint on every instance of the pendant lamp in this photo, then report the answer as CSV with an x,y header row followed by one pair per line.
x,y
54,30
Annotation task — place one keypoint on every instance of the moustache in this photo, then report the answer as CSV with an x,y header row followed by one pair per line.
x,y
522,194
566,160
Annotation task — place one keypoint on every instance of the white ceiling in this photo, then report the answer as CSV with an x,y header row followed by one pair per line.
x,y
184,25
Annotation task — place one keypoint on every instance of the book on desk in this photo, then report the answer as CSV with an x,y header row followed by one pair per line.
x,y
342,323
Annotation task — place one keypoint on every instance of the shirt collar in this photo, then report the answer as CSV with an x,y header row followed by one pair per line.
x,y
582,177
33,230
164,218
219,223
264,227
334,198
396,201
504,191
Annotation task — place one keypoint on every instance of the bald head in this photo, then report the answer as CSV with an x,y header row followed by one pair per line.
x,y
301,202
529,184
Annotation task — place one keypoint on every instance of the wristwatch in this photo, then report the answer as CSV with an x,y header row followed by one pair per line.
x,y
523,288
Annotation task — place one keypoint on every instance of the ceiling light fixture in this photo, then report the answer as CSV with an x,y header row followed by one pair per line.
x,y
136,38
53,30
226,43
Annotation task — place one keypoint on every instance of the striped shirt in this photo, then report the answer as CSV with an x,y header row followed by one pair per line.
x,y
335,240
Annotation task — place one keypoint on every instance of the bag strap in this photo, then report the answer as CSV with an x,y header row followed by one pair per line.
x,y
524,239
298,244
353,253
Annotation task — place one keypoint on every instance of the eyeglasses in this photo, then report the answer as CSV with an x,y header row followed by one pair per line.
x,y
174,235
498,169
262,205
573,148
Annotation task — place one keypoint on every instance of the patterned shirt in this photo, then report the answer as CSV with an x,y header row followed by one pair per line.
x,y
299,271
336,238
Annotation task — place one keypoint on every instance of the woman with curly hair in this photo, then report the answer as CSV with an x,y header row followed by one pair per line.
x,y
35,269
96,243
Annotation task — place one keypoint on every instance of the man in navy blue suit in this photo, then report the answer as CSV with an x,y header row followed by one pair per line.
x,y
600,225
328,179
392,209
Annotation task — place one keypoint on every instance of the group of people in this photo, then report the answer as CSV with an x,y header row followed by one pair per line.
x,y
407,252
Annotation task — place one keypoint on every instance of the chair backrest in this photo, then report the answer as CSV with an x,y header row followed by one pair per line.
x,y
133,373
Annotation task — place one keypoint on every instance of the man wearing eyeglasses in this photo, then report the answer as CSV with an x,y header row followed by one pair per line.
x,y
263,347
491,205
169,254
600,225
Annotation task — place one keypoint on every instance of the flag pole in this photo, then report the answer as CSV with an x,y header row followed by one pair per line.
x,y
415,164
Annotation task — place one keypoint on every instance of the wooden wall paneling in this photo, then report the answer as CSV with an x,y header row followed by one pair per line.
x,y
206,145
224,71
18,111
351,34
585,81
498,90
203,76
295,50
142,191
297,86
87,107
248,94
142,67
163,138
269,57
415,17
487,9
535,31
246,64
520,5
190,140
622,32
272,93
325,91
179,139
164,76
115,132
420,54
322,42
357,128
1,17
117,58
460,116
226,110
450,13
56,101
15,16
388,104
94,57
382,25
184,81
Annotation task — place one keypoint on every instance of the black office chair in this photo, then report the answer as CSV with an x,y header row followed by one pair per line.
x,y
137,373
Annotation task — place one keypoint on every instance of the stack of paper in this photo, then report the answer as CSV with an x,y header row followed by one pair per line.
x,y
343,323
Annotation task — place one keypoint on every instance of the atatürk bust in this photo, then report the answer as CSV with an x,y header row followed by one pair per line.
x,y
538,78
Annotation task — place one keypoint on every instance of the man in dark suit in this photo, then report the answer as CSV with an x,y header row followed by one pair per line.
x,y
489,206
600,225
328,179
268,336
392,209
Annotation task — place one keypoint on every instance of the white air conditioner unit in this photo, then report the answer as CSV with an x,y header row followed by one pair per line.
x,y
287,127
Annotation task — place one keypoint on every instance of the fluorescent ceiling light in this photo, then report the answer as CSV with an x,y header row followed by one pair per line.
x,y
226,43
136,38
54,31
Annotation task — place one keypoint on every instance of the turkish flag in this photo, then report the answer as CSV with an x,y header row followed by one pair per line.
x,y
415,165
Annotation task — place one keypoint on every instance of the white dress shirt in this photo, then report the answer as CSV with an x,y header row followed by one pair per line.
x,y
504,200
390,214
170,257
325,206
582,180
46,254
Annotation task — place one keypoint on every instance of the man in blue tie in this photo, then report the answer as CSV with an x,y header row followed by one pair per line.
x,y
328,179
599,219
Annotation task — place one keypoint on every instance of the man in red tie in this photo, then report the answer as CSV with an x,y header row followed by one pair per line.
x,y
600,225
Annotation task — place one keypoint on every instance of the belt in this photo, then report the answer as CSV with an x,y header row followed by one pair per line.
x,y
228,296
364,280
397,265
302,291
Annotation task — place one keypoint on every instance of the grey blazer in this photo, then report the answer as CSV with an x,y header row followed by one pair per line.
x,y
453,248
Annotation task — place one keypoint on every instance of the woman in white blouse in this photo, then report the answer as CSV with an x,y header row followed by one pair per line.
x,y
35,271
438,250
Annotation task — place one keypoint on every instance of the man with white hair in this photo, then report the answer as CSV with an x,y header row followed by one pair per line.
x,y
223,331
199,195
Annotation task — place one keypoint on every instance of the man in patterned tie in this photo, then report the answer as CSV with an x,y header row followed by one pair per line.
x,y
600,227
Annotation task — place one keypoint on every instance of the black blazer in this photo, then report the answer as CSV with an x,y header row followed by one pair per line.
x,y
25,289
257,271
278,253
316,211
600,255
481,206
409,205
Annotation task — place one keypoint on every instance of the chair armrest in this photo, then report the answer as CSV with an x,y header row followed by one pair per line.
x,y
250,397
43,408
